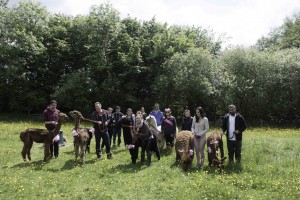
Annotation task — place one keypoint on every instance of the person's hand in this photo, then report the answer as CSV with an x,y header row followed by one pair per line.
x,y
236,132
106,123
99,123
221,133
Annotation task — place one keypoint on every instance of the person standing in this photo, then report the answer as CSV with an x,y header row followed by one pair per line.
x,y
100,127
50,118
111,126
168,128
127,122
117,116
187,121
146,139
233,126
157,114
144,114
200,126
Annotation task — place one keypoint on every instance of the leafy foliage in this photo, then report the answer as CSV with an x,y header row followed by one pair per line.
x,y
101,57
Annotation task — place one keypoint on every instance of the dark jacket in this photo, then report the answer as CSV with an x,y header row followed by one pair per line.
x,y
117,117
127,124
49,115
100,117
240,125
187,124
169,128
112,122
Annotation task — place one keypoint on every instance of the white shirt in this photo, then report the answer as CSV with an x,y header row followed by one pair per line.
x,y
231,127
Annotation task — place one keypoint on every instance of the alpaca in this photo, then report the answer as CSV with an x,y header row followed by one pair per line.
x,y
214,142
156,130
184,148
37,135
81,136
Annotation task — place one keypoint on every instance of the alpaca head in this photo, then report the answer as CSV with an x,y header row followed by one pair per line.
x,y
63,117
151,120
186,160
76,114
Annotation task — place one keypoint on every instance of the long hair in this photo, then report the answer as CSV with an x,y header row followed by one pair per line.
x,y
202,113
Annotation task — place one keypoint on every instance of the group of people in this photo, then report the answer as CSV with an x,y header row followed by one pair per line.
x,y
108,126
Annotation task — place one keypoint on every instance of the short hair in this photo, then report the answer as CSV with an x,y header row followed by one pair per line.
x,y
52,102
98,104
167,110
118,107
231,106
109,108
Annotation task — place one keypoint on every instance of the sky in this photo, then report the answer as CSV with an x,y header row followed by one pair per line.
x,y
242,22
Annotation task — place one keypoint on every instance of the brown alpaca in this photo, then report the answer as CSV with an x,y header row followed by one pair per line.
x,y
214,142
37,135
81,137
184,148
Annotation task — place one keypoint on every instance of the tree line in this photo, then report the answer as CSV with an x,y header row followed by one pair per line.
x,y
81,59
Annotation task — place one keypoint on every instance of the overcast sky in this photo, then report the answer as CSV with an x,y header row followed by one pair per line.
x,y
244,21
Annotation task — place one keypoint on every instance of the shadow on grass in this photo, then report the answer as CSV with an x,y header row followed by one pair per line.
x,y
164,152
37,165
127,168
69,152
233,168
117,150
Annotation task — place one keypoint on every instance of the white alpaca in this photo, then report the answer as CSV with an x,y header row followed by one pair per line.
x,y
156,130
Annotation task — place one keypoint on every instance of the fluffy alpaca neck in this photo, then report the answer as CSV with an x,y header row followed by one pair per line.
x,y
77,124
57,128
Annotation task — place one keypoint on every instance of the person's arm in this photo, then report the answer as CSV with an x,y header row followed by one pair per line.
x,y
206,127
242,124
193,125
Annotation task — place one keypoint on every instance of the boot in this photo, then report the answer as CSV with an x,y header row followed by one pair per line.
x,y
109,156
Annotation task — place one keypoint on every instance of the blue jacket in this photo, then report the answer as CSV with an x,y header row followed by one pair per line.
x,y
158,116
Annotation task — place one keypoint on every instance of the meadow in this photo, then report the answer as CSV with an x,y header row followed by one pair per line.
x,y
270,169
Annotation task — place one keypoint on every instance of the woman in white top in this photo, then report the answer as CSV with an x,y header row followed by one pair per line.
x,y
200,127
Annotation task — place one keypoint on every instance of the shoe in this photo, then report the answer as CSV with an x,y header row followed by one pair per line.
x,y
98,156
109,156
56,157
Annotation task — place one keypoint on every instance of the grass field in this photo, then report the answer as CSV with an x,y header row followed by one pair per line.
x,y
270,170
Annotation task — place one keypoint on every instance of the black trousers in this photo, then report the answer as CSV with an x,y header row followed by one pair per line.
x,y
54,148
117,132
110,134
169,139
104,135
234,150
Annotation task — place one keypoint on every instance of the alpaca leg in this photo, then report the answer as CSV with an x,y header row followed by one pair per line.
x,y
47,152
24,150
82,154
28,150
76,151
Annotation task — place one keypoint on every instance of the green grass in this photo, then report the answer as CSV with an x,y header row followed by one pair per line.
x,y
270,170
